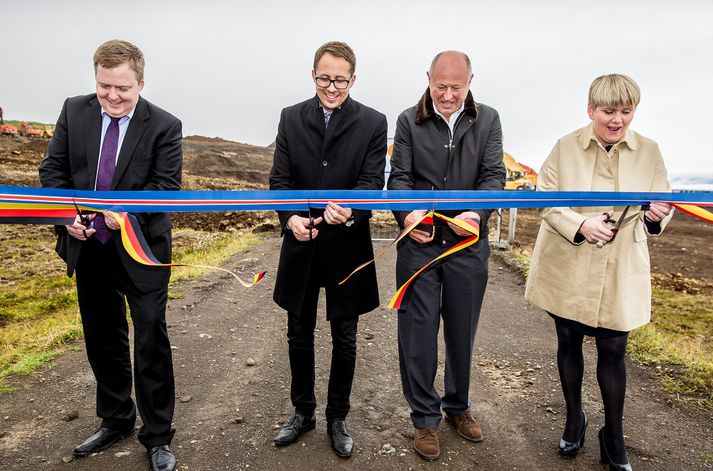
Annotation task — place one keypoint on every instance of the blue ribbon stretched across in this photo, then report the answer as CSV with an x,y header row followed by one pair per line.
x,y
301,200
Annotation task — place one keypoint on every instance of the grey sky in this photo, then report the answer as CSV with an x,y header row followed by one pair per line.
x,y
227,68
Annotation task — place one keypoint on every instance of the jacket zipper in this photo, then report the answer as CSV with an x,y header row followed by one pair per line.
x,y
449,147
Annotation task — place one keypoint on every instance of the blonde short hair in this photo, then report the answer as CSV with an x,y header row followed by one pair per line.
x,y
614,90
115,52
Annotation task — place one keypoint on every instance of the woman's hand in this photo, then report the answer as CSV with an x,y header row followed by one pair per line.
x,y
657,211
594,230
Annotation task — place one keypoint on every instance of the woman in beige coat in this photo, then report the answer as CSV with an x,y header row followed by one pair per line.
x,y
592,280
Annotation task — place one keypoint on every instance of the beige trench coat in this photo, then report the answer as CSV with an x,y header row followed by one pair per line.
x,y
608,287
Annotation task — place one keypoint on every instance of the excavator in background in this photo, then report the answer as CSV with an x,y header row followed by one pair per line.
x,y
8,130
28,130
519,176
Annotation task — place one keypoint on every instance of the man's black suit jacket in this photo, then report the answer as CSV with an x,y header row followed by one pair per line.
x,y
150,158
349,154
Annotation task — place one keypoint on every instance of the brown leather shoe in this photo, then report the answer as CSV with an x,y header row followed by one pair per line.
x,y
425,442
466,426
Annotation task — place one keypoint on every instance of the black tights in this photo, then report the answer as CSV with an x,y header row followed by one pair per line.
x,y
611,376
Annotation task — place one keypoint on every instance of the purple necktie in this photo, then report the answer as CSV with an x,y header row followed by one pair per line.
x,y
107,164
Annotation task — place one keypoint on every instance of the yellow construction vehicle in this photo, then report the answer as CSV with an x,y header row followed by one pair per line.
x,y
519,176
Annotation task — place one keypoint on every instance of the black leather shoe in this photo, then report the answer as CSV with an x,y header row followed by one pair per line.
x,y
342,443
570,449
102,439
162,458
291,432
606,459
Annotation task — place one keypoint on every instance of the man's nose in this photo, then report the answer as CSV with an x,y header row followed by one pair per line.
x,y
448,94
113,94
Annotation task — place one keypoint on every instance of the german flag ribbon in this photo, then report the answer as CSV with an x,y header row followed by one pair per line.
x,y
427,218
469,225
138,249
696,211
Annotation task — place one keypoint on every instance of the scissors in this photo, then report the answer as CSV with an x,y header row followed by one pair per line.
x,y
615,225
311,220
83,218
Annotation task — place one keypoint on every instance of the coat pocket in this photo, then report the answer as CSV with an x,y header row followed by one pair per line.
x,y
639,232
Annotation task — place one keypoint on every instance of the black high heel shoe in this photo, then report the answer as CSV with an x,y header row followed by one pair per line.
x,y
606,459
570,449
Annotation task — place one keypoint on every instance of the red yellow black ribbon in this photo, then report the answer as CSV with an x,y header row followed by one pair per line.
x,y
138,249
693,210
468,225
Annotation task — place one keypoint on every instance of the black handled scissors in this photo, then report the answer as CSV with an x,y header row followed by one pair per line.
x,y
83,219
615,225
311,220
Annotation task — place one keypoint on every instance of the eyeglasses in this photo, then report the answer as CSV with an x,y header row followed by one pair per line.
x,y
339,84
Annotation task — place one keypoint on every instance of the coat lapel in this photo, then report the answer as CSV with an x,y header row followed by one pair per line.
x,y
93,127
137,126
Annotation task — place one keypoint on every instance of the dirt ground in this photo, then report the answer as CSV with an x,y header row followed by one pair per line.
x,y
227,411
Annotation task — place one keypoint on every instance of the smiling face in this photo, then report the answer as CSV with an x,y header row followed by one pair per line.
x,y
449,82
610,122
332,67
118,89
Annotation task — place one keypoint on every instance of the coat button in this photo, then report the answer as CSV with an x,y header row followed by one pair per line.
x,y
324,163
443,242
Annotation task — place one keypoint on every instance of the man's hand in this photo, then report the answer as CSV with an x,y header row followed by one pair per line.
x,y
78,230
301,229
463,216
418,235
594,230
657,211
335,214
112,223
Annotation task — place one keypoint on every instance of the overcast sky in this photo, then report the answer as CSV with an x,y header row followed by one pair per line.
x,y
226,69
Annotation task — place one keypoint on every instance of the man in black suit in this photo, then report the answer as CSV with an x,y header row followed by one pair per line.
x,y
327,142
116,140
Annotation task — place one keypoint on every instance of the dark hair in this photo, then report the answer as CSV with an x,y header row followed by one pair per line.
x,y
339,49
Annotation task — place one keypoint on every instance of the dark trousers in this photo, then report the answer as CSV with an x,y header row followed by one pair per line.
x,y
452,289
300,337
103,288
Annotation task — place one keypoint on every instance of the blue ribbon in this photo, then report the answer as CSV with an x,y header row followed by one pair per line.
x,y
302,200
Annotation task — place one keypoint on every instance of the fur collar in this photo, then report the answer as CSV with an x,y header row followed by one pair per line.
x,y
424,109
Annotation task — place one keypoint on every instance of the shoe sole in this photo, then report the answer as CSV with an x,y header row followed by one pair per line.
x,y
340,454
105,447
425,456
569,455
572,454
474,440
306,429
336,452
